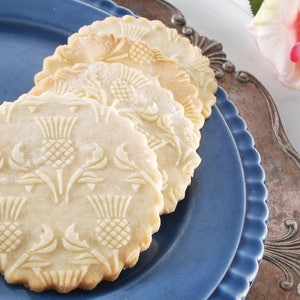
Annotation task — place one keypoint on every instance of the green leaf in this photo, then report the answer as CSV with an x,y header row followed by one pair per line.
x,y
255,5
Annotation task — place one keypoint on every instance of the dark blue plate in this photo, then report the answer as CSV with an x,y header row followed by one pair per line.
x,y
211,246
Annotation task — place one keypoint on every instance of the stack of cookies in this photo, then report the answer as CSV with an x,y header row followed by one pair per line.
x,y
100,147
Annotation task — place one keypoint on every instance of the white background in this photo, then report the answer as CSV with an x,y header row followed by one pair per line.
x,y
226,21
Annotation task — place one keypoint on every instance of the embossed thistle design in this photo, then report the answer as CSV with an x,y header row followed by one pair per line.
x,y
57,150
85,174
285,254
10,232
141,53
112,227
124,87
132,31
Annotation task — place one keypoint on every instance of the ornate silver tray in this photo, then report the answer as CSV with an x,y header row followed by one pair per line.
x,y
279,273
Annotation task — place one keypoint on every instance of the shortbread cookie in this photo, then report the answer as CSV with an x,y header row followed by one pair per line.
x,y
174,46
80,192
152,109
108,48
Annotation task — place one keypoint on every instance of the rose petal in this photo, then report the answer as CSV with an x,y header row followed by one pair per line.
x,y
289,11
295,53
275,33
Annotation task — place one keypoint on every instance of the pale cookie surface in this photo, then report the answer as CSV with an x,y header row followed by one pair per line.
x,y
174,46
108,48
80,192
152,109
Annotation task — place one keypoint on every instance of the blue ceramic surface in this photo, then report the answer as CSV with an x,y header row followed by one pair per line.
x,y
110,7
211,246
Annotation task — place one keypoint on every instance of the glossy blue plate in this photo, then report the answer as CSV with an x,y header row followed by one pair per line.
x,y
211,246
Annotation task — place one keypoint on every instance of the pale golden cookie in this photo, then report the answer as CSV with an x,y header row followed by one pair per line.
x,y
108,48
174,47
79,192
152,109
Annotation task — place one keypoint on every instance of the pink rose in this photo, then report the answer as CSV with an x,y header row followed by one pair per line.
x,y
276,30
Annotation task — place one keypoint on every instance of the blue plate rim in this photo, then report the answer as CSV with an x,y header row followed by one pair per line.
x,y
239,277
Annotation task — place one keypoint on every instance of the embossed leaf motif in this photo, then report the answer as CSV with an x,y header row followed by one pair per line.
x,y
47,242
89,178
35,262
150,114
116,52
88,256
17,159
91,88
94,90
123,161
72,242
29,180
165,123
137,175
98,159
87,173
32,258
61,88
17,162
187,160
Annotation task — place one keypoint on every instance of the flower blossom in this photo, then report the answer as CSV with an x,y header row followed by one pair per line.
x,y
276,30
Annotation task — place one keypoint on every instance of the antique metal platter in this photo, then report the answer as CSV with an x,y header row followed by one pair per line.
x,y
212,245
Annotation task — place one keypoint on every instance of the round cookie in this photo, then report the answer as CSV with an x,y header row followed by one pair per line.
x,y
152,109
80,192
92,47
174,47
